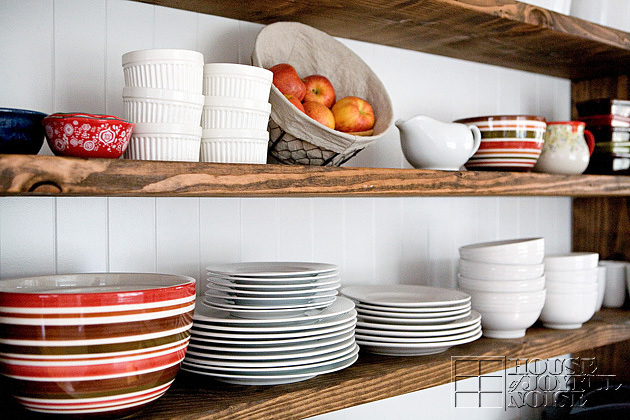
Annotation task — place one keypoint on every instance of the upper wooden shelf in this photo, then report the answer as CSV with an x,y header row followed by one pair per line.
x,y
506,33
50,175
371,378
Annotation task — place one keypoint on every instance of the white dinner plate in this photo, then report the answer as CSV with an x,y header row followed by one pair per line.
x,y
473,318
416,349
301,292
416,334
268,313
377,337
413,321
272,269
432,309
278,302
405,296
413,315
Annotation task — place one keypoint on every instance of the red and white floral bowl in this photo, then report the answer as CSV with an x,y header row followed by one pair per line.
x,y
101,343
87,135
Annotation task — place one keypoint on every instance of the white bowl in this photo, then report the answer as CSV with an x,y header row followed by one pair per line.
x,y
507,323
237,81
508,272
615,293
234,146
568,311
601,286
531,285
514,251
572,261
171,142
507,299
164,69
147,105
573,276
229,113
561,287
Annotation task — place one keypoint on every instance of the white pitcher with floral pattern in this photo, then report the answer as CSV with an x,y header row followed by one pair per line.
x,y
567,148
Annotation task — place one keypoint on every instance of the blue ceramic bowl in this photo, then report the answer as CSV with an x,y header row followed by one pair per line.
x,y
21,131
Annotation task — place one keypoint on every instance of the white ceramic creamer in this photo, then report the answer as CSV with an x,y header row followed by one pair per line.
x,y
431,144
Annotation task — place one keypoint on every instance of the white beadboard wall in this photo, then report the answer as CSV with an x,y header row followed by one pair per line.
x,y
65,55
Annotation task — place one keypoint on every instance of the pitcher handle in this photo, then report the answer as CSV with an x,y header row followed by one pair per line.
x,y
590,141
476,138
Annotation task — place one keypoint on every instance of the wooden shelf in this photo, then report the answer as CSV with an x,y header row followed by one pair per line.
x,y
371,378
50,175
506,33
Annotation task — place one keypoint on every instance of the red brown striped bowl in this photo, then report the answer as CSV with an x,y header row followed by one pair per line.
x,y
101,343
508,142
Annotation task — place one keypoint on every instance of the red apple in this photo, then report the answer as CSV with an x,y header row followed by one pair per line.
x,y
353,114
295,102
319,89
286,79
320,112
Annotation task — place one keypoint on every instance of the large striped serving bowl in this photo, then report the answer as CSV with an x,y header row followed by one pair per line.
x,y
82,344
508,142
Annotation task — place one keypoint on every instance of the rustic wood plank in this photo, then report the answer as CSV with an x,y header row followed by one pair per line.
x,y
370,379
500,32
50,175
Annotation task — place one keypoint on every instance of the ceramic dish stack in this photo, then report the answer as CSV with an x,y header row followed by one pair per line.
x,y
409,320
163,97
272,323
507,283
572,289
235,113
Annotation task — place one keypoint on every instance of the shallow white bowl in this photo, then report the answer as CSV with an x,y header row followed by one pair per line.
x,y
234,146
170,142
531,285
146,105
572,261
507,323
568,311
237,81
505,300
572,276
486,271
164,69
229,113
514,251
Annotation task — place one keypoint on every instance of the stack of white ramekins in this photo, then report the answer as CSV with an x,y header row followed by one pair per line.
x,y
163,97
507,283
235,113
571,289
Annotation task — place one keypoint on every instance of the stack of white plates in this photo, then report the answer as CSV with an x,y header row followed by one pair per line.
x,y
406,320
264,290
272,351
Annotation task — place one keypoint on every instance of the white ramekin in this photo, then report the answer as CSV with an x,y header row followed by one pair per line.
x,y
147,105
234,146
164,69
224,112
172,142
237,81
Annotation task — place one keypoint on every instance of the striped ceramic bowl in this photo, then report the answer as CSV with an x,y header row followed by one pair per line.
x,y
85,344
508,142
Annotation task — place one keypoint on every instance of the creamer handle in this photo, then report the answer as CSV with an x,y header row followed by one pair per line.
x,y
476,139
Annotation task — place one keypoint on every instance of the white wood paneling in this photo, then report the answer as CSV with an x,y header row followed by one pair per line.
x,y
132,234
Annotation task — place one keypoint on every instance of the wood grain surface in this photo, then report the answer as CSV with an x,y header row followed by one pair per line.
x,y
50,175
371,378
500,32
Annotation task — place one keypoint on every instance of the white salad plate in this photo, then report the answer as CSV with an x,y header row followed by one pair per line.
x,y
408,311
413,315
413,321
268,269
405,296
473,318
416,334
418,340
280,301
268,313
412,349
301,292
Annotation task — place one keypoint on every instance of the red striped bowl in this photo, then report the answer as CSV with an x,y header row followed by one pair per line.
x,y
85,344
508,142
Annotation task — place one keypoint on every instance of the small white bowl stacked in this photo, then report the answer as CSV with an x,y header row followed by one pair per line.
x,y
235,113
615,290
163,97
507,283
571,289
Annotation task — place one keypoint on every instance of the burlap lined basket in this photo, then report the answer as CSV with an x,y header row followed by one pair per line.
x,y
295,138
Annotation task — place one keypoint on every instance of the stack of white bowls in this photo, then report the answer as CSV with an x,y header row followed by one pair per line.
x,y
507,283
163,97
571,289
235,113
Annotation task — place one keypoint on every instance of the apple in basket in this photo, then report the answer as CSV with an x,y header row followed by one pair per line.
x,y
295,102
353,115
286,79
319,89
320,113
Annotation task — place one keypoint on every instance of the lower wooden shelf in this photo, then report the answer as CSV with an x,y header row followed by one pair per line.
x,y
371,378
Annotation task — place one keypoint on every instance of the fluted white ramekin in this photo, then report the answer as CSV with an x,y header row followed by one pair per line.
x,y
224,112
147,105
234,146
237,81
172,142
